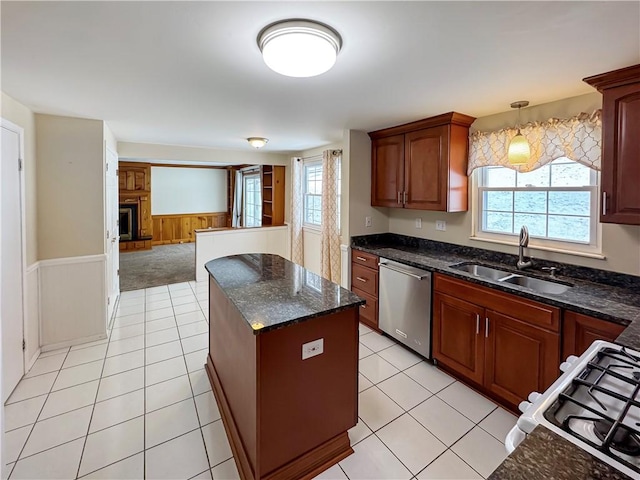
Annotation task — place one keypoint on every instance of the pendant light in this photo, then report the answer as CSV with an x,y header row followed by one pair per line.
x,y
519,151
299,48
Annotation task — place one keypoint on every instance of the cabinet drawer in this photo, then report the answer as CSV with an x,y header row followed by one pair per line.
x,y
366,259
364,279
368,311
523,309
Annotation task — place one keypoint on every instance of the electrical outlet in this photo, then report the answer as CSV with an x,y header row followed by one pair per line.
x,y
418,223
441,225
311,349
367,221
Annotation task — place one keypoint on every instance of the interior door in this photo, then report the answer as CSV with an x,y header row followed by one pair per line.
x,y
112,216
11,301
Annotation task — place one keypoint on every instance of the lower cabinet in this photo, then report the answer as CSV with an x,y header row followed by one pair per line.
x,y
579,331
364,282
506,345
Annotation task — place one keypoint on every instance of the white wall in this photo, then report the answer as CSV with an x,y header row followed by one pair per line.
x,y
620,243
188,190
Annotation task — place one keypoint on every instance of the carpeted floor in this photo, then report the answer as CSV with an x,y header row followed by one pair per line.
x,y
162,265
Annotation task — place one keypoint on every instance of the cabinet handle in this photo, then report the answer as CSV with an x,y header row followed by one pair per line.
x,y
362,259
477,324
486,327
364,280
399,201
604,203
363,306
404,197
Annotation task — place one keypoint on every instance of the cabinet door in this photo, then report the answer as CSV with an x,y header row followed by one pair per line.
x,y
387,171
519,358
146,225
458,342
621,155
580,331
425,169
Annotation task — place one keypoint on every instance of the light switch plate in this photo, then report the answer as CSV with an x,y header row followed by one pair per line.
x,y
418,223
311,349
367,221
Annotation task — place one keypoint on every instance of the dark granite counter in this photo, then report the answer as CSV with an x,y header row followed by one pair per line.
x,y
271,292
545,455
598,293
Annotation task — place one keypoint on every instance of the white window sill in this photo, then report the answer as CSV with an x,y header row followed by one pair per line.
x,y
594,254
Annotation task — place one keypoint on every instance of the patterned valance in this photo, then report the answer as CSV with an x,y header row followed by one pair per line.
x,y
578,138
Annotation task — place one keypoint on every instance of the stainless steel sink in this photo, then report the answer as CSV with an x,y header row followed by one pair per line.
x,y
535,284
542,286
481,271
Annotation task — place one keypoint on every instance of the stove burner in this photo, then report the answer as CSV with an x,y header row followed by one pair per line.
x,y
623,440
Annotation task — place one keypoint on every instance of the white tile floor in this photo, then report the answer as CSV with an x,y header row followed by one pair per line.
x,y
139,405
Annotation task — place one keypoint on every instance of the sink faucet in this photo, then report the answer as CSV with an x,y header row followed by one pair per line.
x,y
522,244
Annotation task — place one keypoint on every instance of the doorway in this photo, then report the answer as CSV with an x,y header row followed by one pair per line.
x,y
12,260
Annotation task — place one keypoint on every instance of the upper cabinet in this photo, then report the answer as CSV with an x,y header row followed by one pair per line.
x,y
134,177
422,165
620,202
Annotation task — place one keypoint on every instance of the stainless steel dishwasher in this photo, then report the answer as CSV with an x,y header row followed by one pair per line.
x,y
405,305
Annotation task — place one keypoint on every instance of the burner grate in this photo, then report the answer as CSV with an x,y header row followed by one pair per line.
x,y
602,418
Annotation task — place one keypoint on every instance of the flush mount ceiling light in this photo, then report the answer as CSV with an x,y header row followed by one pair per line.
x,y
257,142
519,151
299,48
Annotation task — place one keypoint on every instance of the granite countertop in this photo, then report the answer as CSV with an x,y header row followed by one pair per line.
x,y
545,455
271,292
606,295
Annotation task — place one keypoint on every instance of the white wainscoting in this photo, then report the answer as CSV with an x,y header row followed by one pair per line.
x,y
220,243
32,316
312,241
73,301
345,265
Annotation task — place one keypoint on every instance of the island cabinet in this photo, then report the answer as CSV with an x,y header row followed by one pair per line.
x,y
422,165
580,331
620,90
506,345
283,365
364,283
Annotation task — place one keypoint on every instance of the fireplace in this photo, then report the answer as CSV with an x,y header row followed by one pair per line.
x,y
128,221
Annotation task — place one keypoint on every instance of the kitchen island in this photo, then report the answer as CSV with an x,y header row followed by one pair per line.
x,y
283,365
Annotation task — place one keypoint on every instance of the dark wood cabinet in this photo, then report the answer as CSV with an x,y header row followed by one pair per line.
x,y
520,358
272,180
506,345
364,282
422,165
620,202
456,335
134,177
579,331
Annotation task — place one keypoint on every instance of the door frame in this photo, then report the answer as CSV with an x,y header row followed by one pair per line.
x,y
110,306
23,234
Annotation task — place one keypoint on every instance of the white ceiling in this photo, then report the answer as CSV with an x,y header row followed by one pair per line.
x,y
190,73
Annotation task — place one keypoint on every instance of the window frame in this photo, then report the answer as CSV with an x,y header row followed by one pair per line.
x,y
593,248
245,210
307,164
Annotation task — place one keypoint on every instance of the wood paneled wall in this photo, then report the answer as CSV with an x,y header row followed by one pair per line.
x,y
181,228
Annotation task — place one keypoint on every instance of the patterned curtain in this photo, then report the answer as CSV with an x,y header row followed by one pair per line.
x,y
330,232
297,245
578,138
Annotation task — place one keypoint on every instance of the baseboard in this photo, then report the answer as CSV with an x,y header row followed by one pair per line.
x,y
73,300
73,343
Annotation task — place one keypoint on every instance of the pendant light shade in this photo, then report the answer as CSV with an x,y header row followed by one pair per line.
x,y
299,48
519,151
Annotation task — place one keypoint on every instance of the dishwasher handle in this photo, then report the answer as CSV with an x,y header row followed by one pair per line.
x,y
404,272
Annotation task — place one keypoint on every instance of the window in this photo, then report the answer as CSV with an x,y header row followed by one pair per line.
x,y
556,202
252,196
313,194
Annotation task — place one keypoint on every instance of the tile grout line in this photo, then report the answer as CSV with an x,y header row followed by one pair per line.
x,y
93,407
37,417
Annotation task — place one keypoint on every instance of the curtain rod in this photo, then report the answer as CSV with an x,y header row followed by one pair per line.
x,y
312,157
